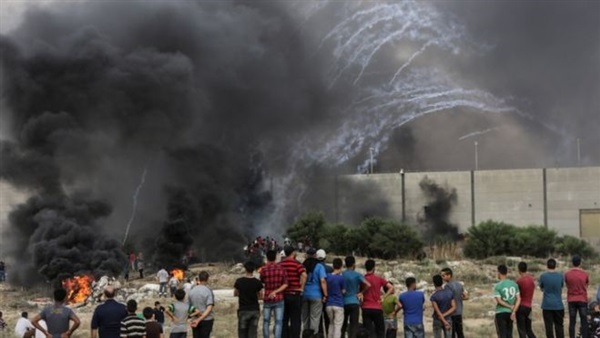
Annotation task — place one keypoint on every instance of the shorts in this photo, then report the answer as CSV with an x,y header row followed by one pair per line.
x,y
391,323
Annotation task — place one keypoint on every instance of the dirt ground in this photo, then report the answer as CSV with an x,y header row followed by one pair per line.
x,y
478,278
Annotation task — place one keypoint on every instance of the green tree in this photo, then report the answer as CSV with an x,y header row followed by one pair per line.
x,y
535,241
310,226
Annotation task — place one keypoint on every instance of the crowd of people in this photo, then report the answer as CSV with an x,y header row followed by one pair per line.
x,y
311,299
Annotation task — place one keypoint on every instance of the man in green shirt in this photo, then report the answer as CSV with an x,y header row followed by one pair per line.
x,y
507,296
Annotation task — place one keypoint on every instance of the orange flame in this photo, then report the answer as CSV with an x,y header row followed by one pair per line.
x,y
178,273
79,288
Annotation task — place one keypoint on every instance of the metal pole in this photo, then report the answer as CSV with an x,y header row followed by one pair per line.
x,y
578,152
371,162
476,157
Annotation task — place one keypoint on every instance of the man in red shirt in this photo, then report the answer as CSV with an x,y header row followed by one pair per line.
x,y
372,312
577,282
275,282
526,285
292,296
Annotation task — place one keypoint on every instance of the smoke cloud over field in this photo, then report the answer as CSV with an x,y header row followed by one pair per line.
x,y
228,108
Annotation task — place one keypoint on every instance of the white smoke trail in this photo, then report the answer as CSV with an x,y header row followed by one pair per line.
x,y
475,133
135,203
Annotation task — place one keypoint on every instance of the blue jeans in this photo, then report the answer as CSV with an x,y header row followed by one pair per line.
x,y
414,331
268,309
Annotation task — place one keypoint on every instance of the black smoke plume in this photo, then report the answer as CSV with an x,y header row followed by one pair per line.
x,y
436,214
96,91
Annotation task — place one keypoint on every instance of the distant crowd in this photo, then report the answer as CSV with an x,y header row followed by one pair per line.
x,y
311,299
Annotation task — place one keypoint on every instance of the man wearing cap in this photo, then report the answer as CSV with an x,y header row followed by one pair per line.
x,y
577,281
315,291
324,324
292,296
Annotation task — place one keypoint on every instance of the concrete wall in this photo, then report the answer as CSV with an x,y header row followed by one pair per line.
x,y
512,196
568,191
551,197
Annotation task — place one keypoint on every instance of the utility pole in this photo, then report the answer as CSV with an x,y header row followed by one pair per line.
x,y
476,156
371,161
578,152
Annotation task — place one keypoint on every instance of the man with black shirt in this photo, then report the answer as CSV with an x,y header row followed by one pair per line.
x,y
248,290
106,321
159,313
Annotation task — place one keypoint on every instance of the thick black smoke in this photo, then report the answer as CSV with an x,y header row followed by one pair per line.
x,y
436,214
96,91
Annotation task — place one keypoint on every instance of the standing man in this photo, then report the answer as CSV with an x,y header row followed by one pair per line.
x,y
2,272
162,277
577,281
292,296
526,284
159,313
444,305
459,296
274,279
173,284
248,290
372,312
107,317
133,326
57,317
553,311
315,292
132,260
507,296
354,284
335,302
140,265
412,302
202,298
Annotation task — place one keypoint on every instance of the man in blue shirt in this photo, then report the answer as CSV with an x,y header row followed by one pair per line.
x,y
106,321
412,302
354,284
551,283
315,292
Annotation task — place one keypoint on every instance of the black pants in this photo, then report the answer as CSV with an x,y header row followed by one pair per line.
x,y
373,321
141,273
457,327
554,323
524,322
292,319
203,329
324,324
504,325
351,314
581,308
248,324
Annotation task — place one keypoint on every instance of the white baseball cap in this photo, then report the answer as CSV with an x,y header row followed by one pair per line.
x,y
321,254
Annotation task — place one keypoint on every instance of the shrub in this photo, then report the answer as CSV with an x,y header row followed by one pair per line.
x,y
489,238
569,245
389,239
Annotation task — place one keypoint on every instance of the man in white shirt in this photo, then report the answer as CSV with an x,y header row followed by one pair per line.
x,y
162,277
24,328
